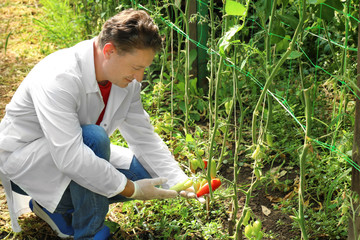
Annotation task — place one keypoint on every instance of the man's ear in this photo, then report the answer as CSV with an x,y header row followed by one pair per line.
x,y
108,49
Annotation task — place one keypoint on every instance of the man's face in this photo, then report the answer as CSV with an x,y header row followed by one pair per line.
x,y
122,69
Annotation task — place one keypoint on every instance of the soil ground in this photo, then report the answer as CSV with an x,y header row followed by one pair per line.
x,y
21,51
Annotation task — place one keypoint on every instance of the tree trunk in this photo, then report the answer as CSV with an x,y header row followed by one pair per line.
x,y
355,178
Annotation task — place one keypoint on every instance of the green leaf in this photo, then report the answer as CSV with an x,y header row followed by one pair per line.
x,y
277,33
200,106
112,225
283,44
294,55
182,106
263,8
228,106
193,86
243,63
189,138
225,40
234,8
167,76
327,10
180,87
289,19
192,57
194,115
316,1
178,149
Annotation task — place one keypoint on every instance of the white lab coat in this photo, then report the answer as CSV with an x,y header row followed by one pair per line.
x,y
41,145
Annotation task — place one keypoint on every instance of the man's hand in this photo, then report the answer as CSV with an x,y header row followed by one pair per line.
x,y
190,193
145,189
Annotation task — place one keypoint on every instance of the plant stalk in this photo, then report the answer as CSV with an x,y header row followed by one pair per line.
x,y
238,233
301,218
268,62
187,68
212,63
236,166
274,71
343,95
216,125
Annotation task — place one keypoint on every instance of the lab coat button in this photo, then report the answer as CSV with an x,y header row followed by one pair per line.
x,y
105,125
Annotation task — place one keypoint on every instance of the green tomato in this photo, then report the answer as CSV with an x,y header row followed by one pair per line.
x,y
246,218
201,152
194,164
182,185
256,227
248,231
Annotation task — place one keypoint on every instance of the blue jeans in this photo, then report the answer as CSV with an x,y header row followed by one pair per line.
x,y
90,208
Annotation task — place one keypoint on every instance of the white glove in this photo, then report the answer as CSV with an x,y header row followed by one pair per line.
x,y
145,189
190,193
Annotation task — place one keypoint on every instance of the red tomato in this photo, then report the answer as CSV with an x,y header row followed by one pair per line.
x,y
215,183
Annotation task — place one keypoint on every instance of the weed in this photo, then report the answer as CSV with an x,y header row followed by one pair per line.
x,y
7,41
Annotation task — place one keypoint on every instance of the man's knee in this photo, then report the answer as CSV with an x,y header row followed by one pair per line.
x,y
97,139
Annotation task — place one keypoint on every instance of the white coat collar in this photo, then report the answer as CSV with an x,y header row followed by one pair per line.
x,y
85,56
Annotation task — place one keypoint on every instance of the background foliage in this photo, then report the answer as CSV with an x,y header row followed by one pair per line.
x,y
276,109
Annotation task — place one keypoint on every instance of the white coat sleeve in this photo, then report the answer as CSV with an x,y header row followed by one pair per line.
x,y
147,146
56,103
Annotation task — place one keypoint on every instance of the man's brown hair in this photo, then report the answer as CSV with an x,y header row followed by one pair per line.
x,y
131,29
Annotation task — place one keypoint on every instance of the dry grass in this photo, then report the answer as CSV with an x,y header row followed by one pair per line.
x,y
23,49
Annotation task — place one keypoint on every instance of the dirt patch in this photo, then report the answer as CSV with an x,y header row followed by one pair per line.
x,y
264,201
